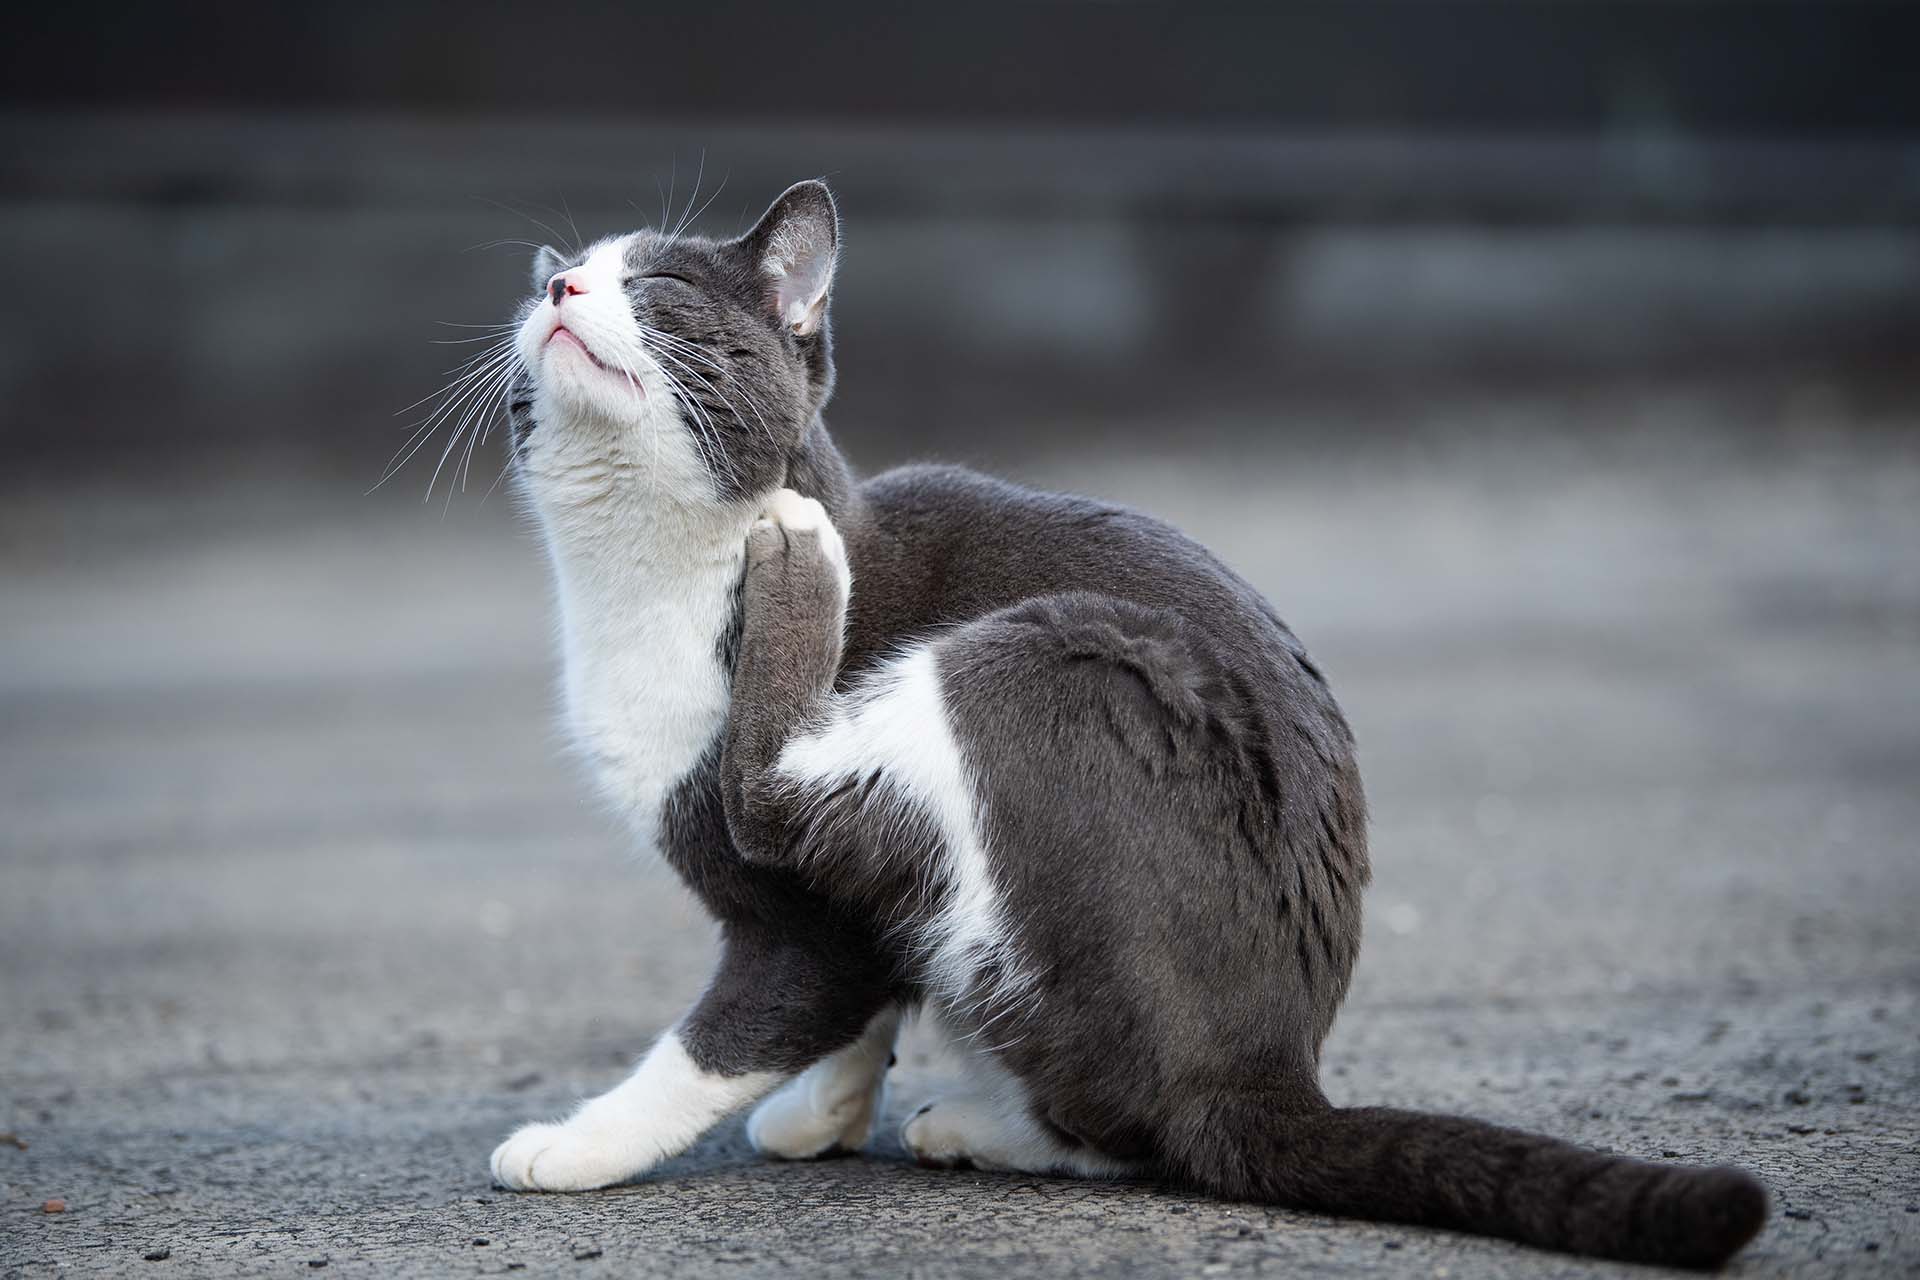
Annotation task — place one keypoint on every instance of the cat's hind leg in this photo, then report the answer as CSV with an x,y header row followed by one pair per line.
x,y
987,1120
996,1131
831,1106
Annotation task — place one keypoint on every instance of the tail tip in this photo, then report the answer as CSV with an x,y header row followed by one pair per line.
x,y
1732,1205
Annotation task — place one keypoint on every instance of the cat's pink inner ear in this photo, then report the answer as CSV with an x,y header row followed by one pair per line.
x,y
802,275
796,242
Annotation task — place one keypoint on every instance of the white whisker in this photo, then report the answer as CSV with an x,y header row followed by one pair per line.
x,y
460,390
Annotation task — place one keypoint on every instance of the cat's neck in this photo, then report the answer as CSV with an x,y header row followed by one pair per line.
x,y
646,582
817,469
613,529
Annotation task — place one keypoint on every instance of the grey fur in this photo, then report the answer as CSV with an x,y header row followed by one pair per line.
x,y
1175,817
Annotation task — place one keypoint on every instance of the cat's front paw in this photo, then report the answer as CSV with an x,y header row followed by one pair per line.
x,y
792,528
558,1157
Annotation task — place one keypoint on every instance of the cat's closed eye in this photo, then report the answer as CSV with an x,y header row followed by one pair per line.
x,y
667,275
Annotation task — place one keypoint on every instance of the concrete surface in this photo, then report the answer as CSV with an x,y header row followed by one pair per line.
x,y
303,908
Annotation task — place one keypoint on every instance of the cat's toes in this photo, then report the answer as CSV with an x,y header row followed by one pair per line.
x,y
938,1135
789,510
789,522
512,1161
556,1157
790,1125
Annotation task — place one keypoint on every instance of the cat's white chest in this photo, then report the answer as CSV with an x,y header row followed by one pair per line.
x,y
646,688
647,568
644,707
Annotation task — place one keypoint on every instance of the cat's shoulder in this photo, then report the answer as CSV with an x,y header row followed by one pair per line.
x,y
923,482
948,488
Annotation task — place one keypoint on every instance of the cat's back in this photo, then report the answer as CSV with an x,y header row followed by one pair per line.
x,y
936,545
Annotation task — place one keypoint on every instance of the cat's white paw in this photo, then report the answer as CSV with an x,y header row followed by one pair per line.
x,y
559,1157
653,1115
949,1133
788,510
797,1124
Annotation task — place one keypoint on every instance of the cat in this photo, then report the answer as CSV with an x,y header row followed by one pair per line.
x,y
1039,763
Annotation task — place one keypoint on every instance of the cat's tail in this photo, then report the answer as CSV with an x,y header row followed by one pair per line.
x,y
1445,1171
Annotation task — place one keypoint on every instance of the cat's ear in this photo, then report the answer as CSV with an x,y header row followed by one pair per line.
x,y
547,263
794,246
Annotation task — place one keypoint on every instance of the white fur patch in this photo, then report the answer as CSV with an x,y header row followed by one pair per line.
x,y
895,725
652,1115
997,1132
831,1104
642,610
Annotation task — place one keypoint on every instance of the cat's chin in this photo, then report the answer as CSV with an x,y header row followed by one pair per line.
x,y
566,354
582,390
564,340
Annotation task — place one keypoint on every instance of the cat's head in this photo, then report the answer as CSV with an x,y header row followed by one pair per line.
x,y
684,368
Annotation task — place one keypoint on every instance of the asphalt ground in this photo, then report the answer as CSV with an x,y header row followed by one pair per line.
x,y
303,906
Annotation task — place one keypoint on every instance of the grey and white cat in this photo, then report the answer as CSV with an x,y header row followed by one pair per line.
x,y
1039,762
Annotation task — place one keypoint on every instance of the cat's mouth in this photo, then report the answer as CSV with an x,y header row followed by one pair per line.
x,y
565,337
562,353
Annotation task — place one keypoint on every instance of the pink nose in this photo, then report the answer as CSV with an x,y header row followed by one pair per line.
x,y
561,287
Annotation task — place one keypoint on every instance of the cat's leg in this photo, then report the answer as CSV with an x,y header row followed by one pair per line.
x,y
990,1122
793,613
996,1130
831,1106
774,1007
654,1114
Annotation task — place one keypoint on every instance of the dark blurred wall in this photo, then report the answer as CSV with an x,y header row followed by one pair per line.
x,y
1802,67
248,222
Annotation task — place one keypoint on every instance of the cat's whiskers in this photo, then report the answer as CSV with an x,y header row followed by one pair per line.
x,y
460,372
692,351
479,437
690,218
503,243
702,420
703,428
698,178
486,332
476,393
571,224
476,376
574,245
479,403
696,352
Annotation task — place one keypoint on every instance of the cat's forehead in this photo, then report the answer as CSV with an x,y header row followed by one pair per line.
x,y
650,248
637,250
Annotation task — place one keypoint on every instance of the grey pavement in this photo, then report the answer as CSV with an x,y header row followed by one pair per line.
x,y
303,907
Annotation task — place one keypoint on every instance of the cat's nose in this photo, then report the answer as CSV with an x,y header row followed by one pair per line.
x,y
561,287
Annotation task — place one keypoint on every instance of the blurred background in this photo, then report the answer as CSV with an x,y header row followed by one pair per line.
x,y
1550,363
1093,217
